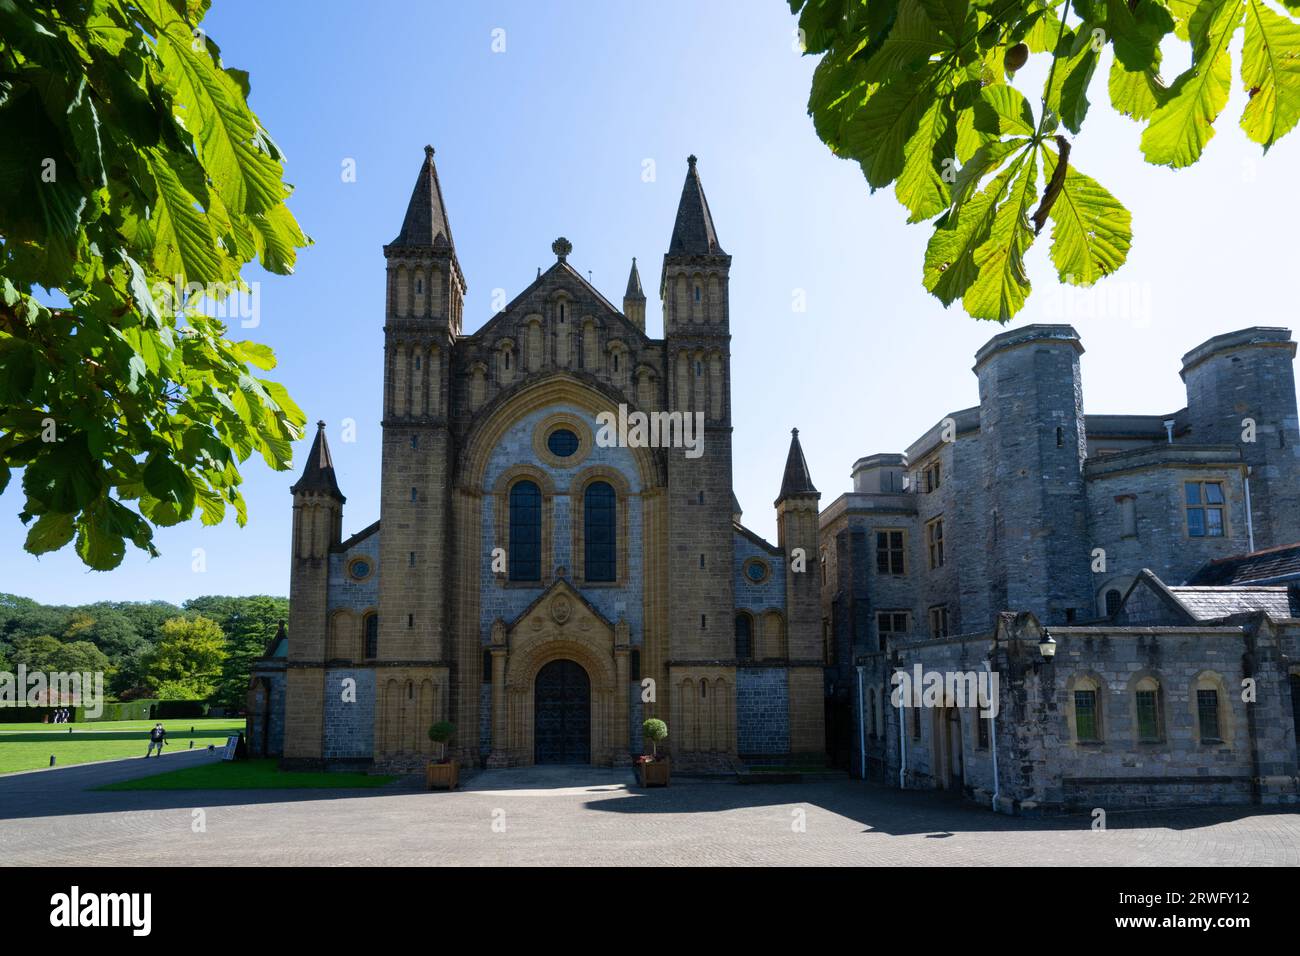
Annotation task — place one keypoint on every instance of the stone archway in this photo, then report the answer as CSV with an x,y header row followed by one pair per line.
x,y
559,627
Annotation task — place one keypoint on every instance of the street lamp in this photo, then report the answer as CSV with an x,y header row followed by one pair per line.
x,y
1047,646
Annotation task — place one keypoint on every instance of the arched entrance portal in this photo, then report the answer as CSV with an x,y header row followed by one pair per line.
x,y
562,714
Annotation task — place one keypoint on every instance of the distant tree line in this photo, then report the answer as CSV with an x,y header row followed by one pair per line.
x,y
201,650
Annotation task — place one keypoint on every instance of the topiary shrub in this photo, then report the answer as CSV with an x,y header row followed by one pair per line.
x,y
654,730
440,733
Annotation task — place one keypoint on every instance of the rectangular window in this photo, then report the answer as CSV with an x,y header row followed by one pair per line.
x,y
890,553
891,624
939,621
1148,716
1205,508
934,543
932,477
1085,716
1207,713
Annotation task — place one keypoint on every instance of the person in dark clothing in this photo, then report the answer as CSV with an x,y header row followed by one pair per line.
x,y
157,737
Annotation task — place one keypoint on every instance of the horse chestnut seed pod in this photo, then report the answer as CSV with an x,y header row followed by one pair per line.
x,y
1015,57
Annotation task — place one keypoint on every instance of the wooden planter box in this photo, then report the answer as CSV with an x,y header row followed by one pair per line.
x,y
656,774
442,776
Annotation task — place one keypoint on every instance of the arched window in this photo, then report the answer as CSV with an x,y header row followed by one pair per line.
x,y
600,509
1087,711
1146,707
1209,710
525,532
372,636
744,637
1113,600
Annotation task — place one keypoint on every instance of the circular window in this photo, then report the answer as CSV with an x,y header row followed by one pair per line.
x,y
756,571
562,443
359,569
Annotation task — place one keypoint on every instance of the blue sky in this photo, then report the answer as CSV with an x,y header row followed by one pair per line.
x,y
551,136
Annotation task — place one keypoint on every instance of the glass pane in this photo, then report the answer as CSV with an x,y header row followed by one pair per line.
x,y
1193,491
1214,493
562,443
1196,522
1085,714
1214,522
1148,719
744,638
599,532
525,532
1207,710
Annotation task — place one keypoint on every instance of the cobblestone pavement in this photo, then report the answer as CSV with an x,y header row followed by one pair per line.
x,y
556,816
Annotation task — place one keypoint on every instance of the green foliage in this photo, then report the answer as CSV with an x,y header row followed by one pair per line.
x,y
47,653
920,93
442,731
186,663
655,731
248,624
130,165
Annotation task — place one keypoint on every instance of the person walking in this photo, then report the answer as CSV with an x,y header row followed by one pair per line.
x,y
157,737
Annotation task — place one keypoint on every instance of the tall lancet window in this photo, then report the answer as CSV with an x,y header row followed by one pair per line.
x,y
525,532
600,509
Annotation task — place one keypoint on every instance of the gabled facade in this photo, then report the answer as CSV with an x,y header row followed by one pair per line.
x,y
542,587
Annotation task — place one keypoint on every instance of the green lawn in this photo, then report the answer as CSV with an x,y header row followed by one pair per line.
x,y
247,775
29,746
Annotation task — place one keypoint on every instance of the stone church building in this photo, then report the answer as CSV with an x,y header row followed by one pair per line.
x,y
543,588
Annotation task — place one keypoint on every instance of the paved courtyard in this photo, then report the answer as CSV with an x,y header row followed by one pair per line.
x,y
568,815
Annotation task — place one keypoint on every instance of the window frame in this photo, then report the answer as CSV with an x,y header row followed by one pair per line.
x,y
1203,506
513,532
934,549
890,551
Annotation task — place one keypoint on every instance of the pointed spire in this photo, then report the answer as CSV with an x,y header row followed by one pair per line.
x,y
634,290
796,481
426,223
318,472
693,232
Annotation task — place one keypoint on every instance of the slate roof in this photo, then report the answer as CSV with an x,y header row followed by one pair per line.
x,y
1213,603
1259,567
318,473
693,231
796,480
426,221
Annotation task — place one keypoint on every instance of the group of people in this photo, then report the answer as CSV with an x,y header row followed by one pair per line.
x,y
63,715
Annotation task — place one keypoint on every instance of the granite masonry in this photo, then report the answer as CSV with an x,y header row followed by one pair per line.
x,y
1025,540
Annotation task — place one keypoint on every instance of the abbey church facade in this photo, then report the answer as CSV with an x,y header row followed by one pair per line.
x,y
539,586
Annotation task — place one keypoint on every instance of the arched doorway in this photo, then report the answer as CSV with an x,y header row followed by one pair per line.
x,y
562,714
948,754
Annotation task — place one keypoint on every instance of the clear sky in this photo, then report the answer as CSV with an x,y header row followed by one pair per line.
x,y
551,137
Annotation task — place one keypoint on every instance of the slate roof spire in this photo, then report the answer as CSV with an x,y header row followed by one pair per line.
x,y
318,472
426,224
796,481
693,232
634,290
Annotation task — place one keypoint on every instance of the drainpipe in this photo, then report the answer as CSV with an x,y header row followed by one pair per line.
x,y
1250,523
862,733
993,742
902,747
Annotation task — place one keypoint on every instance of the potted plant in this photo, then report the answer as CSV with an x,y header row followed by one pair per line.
x,y
653,769
442,773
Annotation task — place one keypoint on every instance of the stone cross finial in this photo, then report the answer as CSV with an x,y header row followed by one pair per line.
x,y
690,161
428,151
562,247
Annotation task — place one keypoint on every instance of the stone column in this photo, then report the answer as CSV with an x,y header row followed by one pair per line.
x,y
500,754
619,746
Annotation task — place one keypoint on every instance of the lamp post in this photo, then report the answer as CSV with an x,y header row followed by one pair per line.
x,y
1047,646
